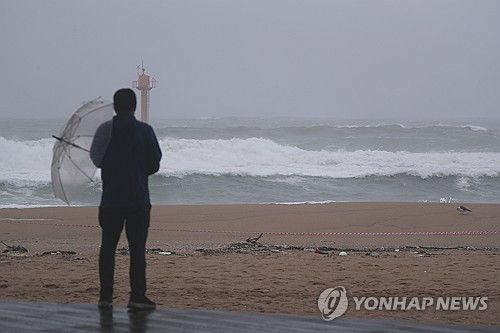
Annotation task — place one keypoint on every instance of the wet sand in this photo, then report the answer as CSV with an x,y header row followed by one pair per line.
x,y
422,250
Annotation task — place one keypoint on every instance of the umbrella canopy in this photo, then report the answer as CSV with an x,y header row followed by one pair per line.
x,y
72,166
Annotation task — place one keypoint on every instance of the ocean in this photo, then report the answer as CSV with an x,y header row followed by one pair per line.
x,y
280,160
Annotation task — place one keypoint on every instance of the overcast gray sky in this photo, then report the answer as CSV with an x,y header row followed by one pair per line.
x,y
360,59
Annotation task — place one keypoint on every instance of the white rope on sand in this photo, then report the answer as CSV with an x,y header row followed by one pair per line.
x,y
278,233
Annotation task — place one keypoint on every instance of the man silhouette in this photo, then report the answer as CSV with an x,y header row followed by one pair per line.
x,y
131,155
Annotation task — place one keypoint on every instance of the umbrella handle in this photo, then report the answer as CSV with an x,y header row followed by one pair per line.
x,y
70,143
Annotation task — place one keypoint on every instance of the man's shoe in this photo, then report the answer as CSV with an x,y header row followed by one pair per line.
x,y
104,304
142,303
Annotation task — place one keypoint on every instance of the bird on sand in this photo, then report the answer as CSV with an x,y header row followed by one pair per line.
x,y
254,240
463,209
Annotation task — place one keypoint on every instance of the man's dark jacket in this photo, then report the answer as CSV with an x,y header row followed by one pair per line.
x,y
132,155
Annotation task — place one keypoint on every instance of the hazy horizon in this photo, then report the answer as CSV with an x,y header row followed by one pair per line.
x,y
415,60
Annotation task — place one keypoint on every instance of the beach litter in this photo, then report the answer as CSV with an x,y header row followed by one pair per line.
x,y
64,253
266,249
322,250
15,250
160,251
250,248
165,252
123,251
254,240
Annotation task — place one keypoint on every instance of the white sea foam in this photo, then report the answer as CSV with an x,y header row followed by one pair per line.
x,y
25,161
263,157
471,127
20,206
292,203
23,219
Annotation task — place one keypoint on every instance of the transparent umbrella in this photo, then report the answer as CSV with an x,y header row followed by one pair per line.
x,y
73,168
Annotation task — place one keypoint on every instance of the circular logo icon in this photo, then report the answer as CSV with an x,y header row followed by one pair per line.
x,y
332,303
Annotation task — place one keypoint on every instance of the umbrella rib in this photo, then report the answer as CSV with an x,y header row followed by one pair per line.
x,y
58,151
97,109
62,188
76,165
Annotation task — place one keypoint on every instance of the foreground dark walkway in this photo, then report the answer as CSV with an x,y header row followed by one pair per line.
x,y
17,316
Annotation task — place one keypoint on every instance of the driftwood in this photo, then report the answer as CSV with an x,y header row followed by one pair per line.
x,y
14,248
254,240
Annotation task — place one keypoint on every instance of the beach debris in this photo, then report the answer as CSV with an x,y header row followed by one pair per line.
x,y
124,251
165,252
15,250
159,251
267,249
250,248
322,250
463,209
421,253
64,253
254,240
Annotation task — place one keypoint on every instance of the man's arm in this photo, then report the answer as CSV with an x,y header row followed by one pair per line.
x,y
100,143
155,154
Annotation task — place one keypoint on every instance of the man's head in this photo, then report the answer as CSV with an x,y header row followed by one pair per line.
x,y
124,101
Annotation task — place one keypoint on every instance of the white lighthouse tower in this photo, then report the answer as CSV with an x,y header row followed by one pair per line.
x,y
144,84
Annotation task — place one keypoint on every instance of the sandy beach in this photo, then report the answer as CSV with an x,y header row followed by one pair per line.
x,y
393,249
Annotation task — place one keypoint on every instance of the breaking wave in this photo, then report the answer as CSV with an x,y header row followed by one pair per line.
x,y
263,157
27,162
